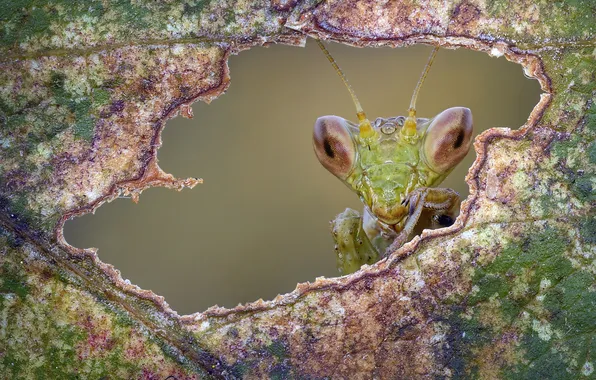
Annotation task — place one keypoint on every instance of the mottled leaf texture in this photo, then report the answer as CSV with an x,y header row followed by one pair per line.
x,y
508,291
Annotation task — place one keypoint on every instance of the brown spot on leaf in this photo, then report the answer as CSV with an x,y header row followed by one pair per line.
x,y
283,5
464,19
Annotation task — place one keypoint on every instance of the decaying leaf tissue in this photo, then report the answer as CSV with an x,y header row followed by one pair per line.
x,y
508,291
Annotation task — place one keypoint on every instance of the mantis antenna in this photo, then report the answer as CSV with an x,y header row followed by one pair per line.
x,y
366,129
410,123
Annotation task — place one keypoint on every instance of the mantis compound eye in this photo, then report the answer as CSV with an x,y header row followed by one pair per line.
x,y
448,139
334,146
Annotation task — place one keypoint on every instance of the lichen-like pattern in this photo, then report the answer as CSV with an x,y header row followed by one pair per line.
x,y
87,88
90,121
59,27
509,291
51,327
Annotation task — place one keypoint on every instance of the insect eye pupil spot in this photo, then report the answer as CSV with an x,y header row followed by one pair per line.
x,y
328,149
444,220
459,139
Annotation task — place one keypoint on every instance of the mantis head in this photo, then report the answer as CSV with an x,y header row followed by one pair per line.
x,y
385,161
385,168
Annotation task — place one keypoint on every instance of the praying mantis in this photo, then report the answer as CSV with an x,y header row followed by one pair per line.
x,y
394,165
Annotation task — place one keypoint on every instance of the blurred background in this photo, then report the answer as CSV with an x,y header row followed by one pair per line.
x,y
260,222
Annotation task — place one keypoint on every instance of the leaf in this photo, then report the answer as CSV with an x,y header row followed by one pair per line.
x,y
507,291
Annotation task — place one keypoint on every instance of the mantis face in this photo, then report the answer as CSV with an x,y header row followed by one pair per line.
x,y
387,166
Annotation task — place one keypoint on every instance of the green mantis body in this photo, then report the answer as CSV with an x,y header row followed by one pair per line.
x,y
394,165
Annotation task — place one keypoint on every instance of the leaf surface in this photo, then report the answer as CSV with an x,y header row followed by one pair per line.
x,y
507,292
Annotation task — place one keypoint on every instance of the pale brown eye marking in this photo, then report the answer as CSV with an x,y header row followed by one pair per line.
x,y
448,138
333,145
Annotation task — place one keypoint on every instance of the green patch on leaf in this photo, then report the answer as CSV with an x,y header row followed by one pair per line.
x,y
26,20
592,153
196,7
280,372
240,368
531,285
12,281
547,364
20,207
587,229
582,187
278,349
82,108
572,304
529,261
84,127
60,354
101,96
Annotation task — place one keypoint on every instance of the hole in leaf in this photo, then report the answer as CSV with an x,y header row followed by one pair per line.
x,y
260,222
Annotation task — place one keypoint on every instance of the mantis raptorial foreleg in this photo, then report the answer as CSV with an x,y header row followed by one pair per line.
x,y
361,240
439,200
352,243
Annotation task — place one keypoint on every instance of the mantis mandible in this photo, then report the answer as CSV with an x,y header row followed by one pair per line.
x,y
394,165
